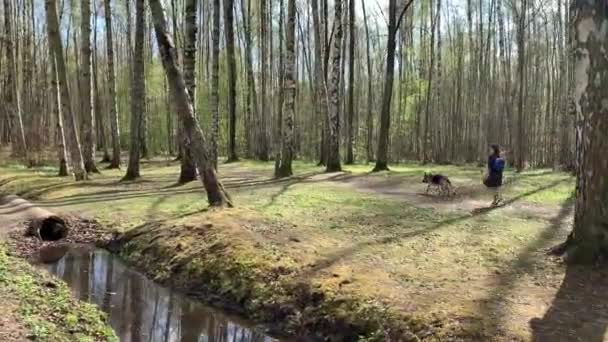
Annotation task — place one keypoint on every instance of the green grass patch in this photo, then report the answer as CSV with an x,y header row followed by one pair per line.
x,y
46,306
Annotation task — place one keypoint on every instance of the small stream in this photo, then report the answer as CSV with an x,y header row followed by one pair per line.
x,y
139,309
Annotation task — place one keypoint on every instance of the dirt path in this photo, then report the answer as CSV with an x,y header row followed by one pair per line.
x,y
468,198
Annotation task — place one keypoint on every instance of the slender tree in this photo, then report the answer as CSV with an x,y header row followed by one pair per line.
x,y
333,158
262,121
216,194
370,91
111,74
229,35
13,105
64,169
138,93
350,128
321,96
287,144
187,168
385,112
66,108
252,99
86,95
215,82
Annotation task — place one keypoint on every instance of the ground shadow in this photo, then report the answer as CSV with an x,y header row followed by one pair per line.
x,y
344,253
579,311
492,308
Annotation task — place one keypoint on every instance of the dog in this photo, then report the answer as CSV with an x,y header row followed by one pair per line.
x,y
440,183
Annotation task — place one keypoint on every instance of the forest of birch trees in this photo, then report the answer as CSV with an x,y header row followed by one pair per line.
x,y
335,82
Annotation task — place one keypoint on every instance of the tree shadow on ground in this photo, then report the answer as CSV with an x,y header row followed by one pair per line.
x,y
344,253
493,308
579,311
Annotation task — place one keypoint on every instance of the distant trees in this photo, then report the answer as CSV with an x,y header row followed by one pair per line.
x,y
438,86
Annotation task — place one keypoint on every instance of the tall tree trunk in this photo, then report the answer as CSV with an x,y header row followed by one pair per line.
x,y
86,96
427,154
588,241
289,81
99,118
138,93
350,134
370,91
321,104
187,167
385,116
229,35
262,121
252,98
66,104
278,133
215,82
216,195
333,158
521,67
64,170
13,105
113,108
143,114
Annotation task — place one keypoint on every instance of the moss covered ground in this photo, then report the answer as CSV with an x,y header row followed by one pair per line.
x,y
343,255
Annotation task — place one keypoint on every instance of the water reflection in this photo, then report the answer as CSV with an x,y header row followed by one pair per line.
x,y
139,309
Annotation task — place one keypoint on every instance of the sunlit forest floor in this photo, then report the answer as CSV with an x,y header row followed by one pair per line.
x,y
470,271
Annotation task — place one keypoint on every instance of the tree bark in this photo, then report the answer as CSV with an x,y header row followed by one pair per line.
x,y
252,98
287,145
64,170
86,95
262,122
113,108
187,167
521,67
138,93
321,103
370,91
229,35
333,157
385,116
66,107
350,134
13,105
588,241
215,82
216,194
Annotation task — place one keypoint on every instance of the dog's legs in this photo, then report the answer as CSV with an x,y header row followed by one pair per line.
x,y
428,188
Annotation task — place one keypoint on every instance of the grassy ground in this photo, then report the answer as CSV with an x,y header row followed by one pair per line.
x,y
369,240
38,307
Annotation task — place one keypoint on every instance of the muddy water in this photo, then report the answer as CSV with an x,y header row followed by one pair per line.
x,y
139,309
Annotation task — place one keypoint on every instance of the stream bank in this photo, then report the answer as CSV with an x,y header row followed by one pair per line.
x,y
216,257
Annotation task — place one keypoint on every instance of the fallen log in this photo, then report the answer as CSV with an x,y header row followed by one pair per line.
x,y
45,225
